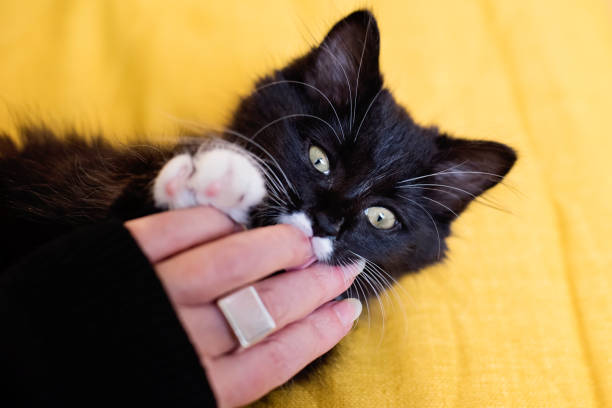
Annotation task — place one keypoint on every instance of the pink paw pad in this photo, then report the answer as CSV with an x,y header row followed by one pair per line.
x,y
213,189
176,183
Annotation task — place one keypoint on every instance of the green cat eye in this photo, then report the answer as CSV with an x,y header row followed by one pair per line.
x,y
318,158
380,217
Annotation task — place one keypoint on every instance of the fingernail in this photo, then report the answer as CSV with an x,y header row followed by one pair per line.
x,y
352,270
348,310
305,265
239,227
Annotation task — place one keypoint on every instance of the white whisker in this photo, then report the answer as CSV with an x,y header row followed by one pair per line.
x,y
432,221
244,138
366,114
365,42
382,284
294,115
432,174
365,299
367,280
479,199
392,284
265,151
312,87
274,182
439,203
348,84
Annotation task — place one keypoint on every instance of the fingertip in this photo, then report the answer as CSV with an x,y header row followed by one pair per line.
x,y
239,227
291,239
303,239
347,311
295,232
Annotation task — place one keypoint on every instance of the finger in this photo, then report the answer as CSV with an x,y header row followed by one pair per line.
x,y
161,235
209,271
288,297
240,378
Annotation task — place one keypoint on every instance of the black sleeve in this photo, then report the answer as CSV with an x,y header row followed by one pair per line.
x,y
85,320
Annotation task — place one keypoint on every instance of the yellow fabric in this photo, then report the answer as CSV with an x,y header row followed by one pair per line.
x,y
521,313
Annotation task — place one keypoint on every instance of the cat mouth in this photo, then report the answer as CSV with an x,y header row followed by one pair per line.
x,y
323,247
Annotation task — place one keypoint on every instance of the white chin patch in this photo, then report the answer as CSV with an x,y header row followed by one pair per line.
x,y
322,247
298,220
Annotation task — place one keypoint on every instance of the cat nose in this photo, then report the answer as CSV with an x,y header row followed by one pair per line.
x,y
326,226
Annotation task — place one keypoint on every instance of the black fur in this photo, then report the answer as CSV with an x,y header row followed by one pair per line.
x,y
52,185
373,141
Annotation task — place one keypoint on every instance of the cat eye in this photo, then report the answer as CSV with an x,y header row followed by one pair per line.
x,y
380,217
318,158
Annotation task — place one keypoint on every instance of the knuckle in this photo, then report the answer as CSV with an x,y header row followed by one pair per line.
x,y
327,328
278,356
321,327
321,282
269,297
232,266
328,281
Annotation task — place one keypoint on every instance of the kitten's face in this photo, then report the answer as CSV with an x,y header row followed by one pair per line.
x,y
356,170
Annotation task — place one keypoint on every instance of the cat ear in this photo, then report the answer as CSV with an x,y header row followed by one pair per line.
x,y
463,170
346,61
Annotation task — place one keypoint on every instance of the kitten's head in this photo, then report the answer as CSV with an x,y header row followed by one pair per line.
x,y
357,172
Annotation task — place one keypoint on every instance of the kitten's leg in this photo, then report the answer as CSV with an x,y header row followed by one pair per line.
x,y
223,178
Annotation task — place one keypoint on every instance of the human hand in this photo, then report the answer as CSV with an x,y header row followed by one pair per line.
x,y
198,257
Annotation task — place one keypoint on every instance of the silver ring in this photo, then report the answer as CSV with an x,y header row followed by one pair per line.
x,y
247,316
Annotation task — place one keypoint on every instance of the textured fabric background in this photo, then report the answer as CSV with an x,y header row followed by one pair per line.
x,y
521,313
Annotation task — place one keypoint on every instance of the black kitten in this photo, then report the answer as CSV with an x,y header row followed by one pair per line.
x,y
320,144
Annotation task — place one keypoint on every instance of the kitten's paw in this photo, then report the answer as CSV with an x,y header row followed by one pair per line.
x,y
171,189
227,180
223,178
